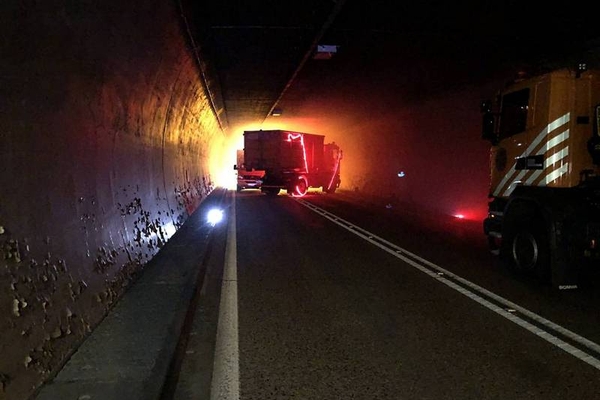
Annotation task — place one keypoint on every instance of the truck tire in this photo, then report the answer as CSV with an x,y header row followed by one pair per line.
x,y
526,248
300,188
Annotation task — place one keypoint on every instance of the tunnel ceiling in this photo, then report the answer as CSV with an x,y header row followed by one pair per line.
x,y
255,51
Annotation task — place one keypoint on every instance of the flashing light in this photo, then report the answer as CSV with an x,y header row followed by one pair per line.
x,y
214,216
459,216
401,174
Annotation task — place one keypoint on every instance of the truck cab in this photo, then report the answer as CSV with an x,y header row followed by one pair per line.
x,y
544,195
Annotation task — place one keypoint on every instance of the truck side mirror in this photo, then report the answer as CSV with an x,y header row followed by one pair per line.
x,y
488,127
235,167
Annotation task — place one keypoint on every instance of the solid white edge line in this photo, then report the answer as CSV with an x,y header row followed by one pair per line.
x,y
225,383
587,358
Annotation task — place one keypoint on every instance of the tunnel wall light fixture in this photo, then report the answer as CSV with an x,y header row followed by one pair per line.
x,y
325,51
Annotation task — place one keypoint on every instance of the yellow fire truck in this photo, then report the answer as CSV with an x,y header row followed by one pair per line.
x,y
544,199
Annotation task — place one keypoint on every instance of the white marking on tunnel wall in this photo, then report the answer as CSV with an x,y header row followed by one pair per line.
x,y
504,308
225,383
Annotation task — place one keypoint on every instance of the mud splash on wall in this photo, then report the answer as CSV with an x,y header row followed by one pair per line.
x,y
104,153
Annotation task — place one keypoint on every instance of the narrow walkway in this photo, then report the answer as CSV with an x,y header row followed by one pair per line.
x,y
128,355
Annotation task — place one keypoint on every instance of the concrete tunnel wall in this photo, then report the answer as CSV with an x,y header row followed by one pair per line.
x,y
106,136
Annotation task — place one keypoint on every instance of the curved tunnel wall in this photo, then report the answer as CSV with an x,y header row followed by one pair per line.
x,y
105,142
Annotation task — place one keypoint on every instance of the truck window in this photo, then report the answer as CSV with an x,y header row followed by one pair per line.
x,y
513,118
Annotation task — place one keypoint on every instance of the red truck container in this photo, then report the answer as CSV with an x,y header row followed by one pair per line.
x,y
293,161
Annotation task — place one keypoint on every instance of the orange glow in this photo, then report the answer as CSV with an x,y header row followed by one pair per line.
x,y
223,157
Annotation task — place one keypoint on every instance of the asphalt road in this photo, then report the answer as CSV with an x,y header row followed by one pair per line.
x,y
326,297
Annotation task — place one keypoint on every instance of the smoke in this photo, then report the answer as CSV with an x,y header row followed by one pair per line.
x,y
418,149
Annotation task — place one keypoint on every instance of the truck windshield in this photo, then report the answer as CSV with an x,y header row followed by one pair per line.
x,y
513,118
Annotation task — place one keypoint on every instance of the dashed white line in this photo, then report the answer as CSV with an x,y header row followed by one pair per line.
x,y
474,291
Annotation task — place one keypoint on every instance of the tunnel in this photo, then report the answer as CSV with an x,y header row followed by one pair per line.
x,y
113,133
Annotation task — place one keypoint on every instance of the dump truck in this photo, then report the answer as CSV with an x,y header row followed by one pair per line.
x,y
292,161
544,199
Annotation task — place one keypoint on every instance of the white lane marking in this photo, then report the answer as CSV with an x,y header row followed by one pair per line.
x,y
441,275
225,383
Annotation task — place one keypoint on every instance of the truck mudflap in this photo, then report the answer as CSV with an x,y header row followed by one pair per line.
x,y
571,247
564,272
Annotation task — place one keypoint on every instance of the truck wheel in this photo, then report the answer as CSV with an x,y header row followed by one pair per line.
x,y
529,250
301,187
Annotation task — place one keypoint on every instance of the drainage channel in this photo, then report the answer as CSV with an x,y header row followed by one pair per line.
x,y
172,382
